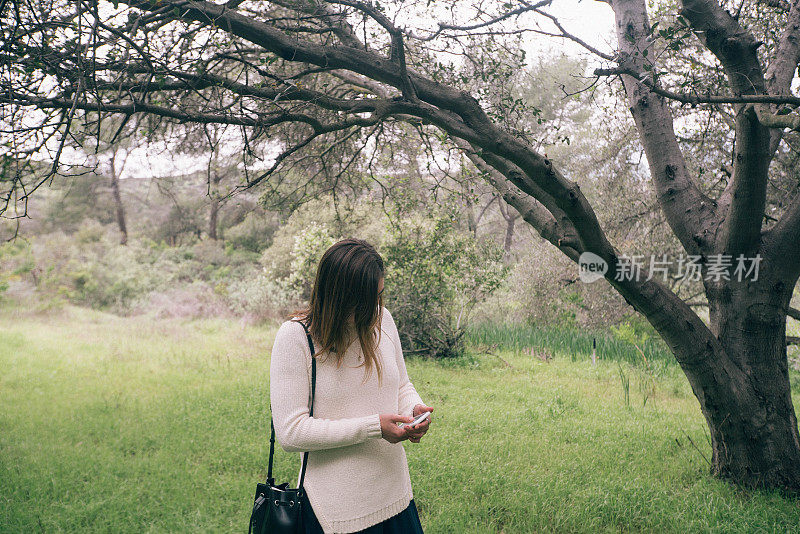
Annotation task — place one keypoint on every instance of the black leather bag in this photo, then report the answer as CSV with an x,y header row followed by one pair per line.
x,y
277,507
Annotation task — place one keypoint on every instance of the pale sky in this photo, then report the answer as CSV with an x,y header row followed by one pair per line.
x,y
591,20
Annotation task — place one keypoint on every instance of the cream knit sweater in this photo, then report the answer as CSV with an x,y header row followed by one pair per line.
x,y
355,478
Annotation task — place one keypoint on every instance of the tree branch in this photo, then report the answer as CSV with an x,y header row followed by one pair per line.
x,y
782,242
784,62
780,73
398,46
695,98
746,193
455,112
690,214
556,228
524,8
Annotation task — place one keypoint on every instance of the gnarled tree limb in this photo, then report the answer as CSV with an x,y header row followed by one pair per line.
x,y
745,197
691,214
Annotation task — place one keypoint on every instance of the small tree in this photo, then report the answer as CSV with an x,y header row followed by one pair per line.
x,y
436,273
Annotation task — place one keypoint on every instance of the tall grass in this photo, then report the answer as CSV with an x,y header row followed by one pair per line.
x,y
576,344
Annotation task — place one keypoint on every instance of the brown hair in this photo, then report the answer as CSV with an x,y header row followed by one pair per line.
x,y
346,285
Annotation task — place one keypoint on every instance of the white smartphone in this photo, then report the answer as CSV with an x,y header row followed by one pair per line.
x,y
420,418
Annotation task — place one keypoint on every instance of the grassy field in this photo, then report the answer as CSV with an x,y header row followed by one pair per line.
x,y
138,425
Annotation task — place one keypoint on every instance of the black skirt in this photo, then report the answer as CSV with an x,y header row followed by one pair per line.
x,y
406,522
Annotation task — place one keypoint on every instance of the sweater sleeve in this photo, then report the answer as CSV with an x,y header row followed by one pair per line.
x,y
407,396
290,394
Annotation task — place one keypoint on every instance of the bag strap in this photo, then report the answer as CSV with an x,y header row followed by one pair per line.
x,y
270,480
311,408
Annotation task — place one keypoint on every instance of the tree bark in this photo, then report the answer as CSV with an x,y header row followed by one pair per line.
x,y
511,220
119,207
214,174
212,218
738,373
753,424
510,223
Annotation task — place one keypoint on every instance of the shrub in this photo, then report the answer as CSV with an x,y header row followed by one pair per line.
x,y
193,300
363,219
296,267
90,231
309,246
254,233
261,298
436,274
543,289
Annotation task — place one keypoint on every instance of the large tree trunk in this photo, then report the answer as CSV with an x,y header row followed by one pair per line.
x,y
738,370
753,425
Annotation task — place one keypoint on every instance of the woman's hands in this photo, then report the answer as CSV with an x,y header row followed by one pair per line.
x,y
415,433
395,434
389,429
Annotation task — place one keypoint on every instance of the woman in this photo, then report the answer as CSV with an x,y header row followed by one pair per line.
x,y
357,478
